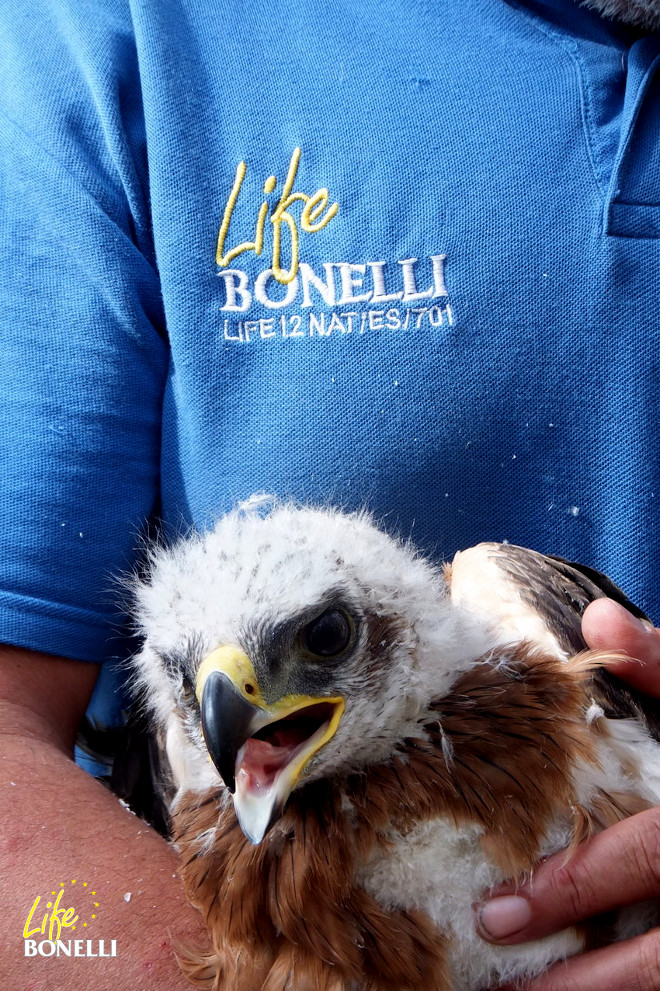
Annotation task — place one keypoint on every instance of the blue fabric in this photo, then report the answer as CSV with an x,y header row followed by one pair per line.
x,y
510,148
633,204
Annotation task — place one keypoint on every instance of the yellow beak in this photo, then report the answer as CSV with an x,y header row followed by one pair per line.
x,y
260,771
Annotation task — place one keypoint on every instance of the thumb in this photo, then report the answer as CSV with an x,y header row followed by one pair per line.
x,y
562,891
607,625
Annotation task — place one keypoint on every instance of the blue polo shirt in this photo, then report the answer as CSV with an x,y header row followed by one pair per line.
x,y
402,255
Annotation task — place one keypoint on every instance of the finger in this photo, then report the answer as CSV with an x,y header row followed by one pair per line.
x,y
619,866
607,625
630,966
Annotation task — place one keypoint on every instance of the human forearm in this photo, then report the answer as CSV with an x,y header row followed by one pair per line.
x,y
58,825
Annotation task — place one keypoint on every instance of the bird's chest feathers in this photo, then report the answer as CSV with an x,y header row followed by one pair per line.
x,y
441,870
435,867
364,875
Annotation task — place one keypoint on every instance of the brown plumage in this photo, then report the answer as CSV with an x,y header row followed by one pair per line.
x,y
385,744
287,914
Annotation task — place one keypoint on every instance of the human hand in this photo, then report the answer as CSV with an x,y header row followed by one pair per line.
x,y
564,893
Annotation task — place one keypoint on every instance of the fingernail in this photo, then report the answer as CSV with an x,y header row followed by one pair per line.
x,y
502,917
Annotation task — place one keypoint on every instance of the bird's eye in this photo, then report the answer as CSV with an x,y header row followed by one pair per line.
x,y
187,689
328,635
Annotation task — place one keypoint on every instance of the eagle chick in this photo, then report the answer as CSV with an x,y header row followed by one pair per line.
x,y
361,743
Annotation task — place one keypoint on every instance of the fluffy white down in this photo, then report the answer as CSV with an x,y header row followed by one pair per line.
x,y
267,560
443,871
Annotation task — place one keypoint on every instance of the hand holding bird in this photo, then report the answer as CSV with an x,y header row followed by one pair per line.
x,y
386,741
563,893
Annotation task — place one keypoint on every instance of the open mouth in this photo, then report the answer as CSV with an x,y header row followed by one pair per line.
x,y
260,750
270,762
277,745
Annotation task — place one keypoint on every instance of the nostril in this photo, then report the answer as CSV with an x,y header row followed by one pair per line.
x,y
249,689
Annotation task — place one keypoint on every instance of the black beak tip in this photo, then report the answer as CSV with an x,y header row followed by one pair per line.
x,y
226,724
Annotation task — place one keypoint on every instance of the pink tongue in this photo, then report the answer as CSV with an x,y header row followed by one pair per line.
x,y
263,759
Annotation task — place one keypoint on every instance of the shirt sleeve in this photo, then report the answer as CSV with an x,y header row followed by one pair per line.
x,y
82,345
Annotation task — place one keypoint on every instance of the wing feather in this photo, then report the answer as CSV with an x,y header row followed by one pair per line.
x,y
527,595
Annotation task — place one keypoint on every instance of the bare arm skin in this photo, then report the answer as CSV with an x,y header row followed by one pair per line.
x,y
618,867
58,824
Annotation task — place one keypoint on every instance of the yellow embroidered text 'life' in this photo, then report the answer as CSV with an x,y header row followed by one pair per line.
x,y
316,213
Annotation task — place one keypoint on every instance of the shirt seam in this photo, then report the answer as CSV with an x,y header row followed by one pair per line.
x,y
589,127
119,199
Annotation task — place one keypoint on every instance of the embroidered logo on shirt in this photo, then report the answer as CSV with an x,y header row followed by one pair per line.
x,y
340,285
316,214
